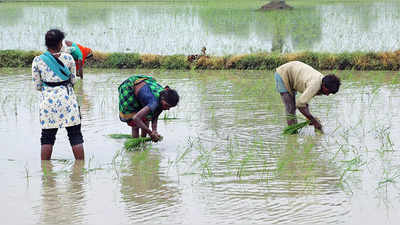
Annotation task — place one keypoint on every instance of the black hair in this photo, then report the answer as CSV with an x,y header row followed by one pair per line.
x,y
53,38
170,96
331,82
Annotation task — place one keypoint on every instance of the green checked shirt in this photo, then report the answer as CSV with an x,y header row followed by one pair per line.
x,y
127,101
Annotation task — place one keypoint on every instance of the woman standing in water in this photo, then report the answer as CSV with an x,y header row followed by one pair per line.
x,y
53,74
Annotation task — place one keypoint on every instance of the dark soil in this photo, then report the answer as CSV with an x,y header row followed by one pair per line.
x,y
275,5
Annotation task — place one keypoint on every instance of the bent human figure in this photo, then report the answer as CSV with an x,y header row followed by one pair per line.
x,y
53,74
297,76
141,100
79,52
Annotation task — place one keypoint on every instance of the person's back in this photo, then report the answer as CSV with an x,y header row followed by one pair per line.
x,y
141,100
53,74
298,76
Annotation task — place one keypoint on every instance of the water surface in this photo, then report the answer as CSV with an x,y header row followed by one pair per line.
x,y
223,159
223,27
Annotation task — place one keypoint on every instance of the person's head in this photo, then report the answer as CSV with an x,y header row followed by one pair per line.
x,y
168,98
330,84
54,38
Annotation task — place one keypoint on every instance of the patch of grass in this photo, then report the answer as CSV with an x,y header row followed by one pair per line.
x,y
254,61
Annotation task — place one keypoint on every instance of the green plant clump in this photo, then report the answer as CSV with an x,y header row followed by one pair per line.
x,y
294,129
120,136
131,144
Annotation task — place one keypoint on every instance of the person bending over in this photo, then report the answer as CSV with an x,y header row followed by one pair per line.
x,y
79,52
141,100
295,76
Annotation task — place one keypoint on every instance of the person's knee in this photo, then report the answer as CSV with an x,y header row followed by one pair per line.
x,y
289,102
75,135
48,136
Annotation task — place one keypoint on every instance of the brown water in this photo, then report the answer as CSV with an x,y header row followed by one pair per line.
x,y
222,161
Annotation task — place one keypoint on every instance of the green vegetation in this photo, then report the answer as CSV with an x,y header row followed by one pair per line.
x,y
256,61
131,144
120,136
294,129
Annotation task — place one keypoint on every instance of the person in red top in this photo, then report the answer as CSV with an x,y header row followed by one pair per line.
x,y
80,53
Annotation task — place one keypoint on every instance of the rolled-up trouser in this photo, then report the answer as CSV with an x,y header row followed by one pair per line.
x,y
74,135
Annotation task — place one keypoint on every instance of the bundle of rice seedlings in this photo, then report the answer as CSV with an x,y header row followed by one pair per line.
x,y
120,136
133,143
294,129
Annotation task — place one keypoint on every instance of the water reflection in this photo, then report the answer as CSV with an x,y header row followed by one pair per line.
x,y
10,16
185,29
145,191
83,16
223,161
82,97
63,198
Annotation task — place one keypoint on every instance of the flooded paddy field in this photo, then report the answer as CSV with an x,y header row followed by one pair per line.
x,y
223,159
224,27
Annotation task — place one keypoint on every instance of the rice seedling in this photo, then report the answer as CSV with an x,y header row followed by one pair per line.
x,y
44,170
169,116
120,136
27,172
132,144
241,170
351,166
90,167
294,129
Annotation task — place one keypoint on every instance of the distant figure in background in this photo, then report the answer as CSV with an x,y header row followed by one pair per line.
x,y
53,74
79,53
142,99
297,76
192,58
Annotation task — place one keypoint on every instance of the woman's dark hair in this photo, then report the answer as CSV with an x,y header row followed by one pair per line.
x,y
170,96
331,82
53,38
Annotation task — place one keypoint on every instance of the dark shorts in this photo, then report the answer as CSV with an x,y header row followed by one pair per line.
x,y
74,135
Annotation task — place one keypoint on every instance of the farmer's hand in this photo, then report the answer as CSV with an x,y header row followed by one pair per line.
x,y
80,73
317,125
155,136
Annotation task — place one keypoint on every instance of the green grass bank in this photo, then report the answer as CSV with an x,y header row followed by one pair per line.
x,y
256,61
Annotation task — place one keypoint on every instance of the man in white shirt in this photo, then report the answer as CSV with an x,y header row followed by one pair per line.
x,y
295,77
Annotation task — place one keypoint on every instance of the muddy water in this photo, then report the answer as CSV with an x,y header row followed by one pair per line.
x,y
222,26
223,159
